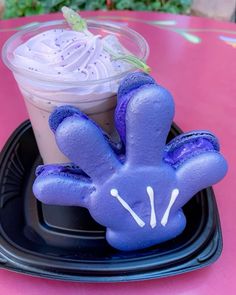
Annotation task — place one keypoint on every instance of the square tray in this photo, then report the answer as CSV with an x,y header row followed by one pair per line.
x,y
65,243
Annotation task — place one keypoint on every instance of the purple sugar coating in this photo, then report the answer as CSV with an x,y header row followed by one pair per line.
x,y
188,136
128,87
61,113
133,81
120,113
59,168
188,150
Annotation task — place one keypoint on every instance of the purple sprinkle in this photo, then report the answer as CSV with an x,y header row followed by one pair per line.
x,y
59,73
68,53
62,57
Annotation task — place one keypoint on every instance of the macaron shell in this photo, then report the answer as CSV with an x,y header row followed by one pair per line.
x,y
189,145
61,113
128,87
188,136
133,81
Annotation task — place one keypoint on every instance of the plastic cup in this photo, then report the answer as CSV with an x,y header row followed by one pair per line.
x,y
43,95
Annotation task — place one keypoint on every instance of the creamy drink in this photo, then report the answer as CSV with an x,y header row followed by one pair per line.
x,y
55,65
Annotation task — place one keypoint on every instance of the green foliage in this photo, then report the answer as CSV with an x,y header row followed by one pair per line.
x,y
17,8
172,6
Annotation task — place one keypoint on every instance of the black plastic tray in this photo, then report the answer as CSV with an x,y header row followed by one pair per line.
x,y
65,243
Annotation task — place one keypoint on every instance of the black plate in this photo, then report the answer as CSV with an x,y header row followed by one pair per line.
x,y
65,243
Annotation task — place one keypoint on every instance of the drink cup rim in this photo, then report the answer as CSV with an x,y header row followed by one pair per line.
x,y
106,25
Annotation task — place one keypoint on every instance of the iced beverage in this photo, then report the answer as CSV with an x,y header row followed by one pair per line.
x,y
55,65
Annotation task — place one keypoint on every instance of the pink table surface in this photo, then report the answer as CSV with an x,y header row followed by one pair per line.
x,y
195,59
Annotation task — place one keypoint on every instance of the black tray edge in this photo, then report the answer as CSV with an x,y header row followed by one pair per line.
x,y
8,263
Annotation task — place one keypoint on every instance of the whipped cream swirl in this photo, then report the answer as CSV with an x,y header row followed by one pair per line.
x,y
70,55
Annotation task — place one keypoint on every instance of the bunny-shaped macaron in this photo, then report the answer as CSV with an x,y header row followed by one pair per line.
x,y
137,196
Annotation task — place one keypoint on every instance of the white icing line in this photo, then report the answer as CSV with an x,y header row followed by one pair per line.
x,y
153,221
165,217
114,192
